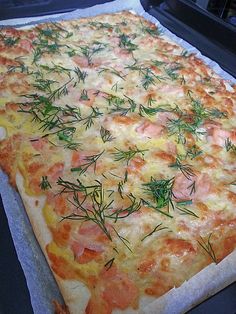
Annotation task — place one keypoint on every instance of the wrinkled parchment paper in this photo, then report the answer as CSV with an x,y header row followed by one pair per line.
x,y
40,281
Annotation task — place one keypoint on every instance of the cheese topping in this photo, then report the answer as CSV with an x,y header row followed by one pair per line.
x,y
125,144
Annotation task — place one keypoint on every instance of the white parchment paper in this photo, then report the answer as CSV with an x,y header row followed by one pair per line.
x,y
40,281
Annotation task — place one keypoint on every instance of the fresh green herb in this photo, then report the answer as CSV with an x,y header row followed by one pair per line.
x,y
127,155
109,264
71,52
89,120
44,85
184,203
193,152
62,31
230,146
123,240
90,51
150,101
106,135
56,69
10,41
184,168
157,228
171,71
185,211
148,77
125,212
47,115
45,185
22,68
160,191
151,111
119,108
80,74
91,207
150,205
67,135
90,160
115,87
84,95
125,43
72,146
100,25
192,188
59,92
71,187
120,188
181,126
126,176
112,71
208,248
151,30
114,100
185,53
158,63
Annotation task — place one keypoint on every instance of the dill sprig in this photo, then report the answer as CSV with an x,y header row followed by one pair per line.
x,y
84,95
112,71
44,85
160,192
123,240
91,207
44,184
193,152
151,111
56,68
125,43
59,92
52,118
22,68
66,135
148,77
81,75
151,30
71,187
184,168
208,248
89,120
109,264
128,155
90,161
157,228
106,135
172,69
114,100
100,25
122,213
90,51
186,211
229,146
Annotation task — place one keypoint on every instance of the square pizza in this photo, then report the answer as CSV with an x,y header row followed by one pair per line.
x,y
122,146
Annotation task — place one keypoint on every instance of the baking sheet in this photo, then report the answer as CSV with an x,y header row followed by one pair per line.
x,y
41,284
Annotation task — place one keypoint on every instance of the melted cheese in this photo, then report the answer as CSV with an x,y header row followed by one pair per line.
x,y
145,93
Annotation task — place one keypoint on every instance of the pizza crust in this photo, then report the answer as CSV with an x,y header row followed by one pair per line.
x,y
69,288
203,285
206,283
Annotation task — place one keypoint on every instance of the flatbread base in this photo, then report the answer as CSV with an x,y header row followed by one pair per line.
x,y
206,283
